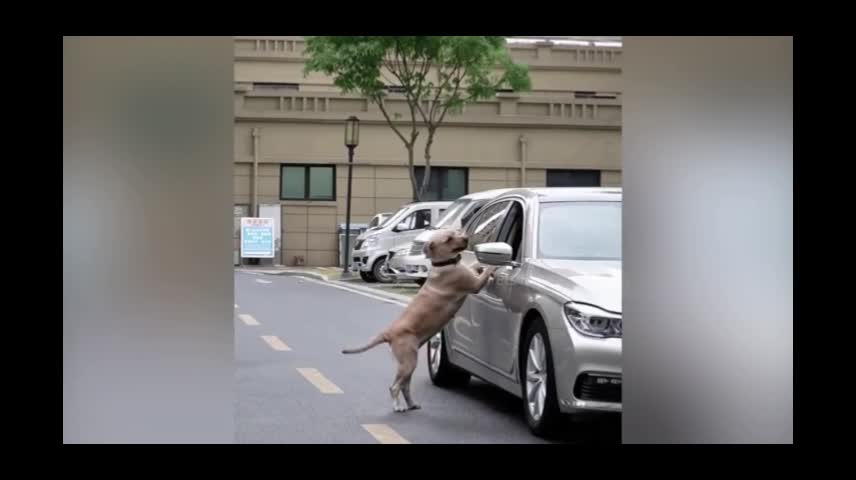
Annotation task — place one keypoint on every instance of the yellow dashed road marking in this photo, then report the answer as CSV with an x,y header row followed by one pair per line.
x,y
384,433
248,319
275,343
320,381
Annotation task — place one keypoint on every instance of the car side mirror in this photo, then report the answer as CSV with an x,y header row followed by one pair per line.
x,y
401,227
495,254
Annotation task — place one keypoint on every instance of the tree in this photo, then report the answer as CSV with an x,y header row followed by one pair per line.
x,y
437,75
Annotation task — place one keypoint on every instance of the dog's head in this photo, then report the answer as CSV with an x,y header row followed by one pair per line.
x,y
445,244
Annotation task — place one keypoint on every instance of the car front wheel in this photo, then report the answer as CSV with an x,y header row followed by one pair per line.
x,y
540,404
379,271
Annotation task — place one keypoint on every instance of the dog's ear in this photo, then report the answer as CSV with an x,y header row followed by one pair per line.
x,y
428,248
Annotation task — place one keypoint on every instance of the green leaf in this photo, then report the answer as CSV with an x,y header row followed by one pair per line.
x,y
470,68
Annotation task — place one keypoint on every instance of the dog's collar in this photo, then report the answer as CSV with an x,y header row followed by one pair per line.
x,y
451,261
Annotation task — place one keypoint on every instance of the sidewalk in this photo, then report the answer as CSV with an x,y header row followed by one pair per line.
x,y
319,273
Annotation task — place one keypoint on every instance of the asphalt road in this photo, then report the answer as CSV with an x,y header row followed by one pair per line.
x,y
294,385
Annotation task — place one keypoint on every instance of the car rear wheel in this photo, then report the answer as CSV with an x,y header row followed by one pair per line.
x,y
538,381
441,371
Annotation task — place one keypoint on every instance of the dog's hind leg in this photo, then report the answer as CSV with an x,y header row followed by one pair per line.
x,y
407,354
405,389
395,392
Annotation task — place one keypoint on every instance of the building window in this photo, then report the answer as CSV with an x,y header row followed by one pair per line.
x,y
275,86
606,95
307,182
445,184
573,178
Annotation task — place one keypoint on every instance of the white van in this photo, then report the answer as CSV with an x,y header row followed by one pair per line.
x,y
371,247
406,262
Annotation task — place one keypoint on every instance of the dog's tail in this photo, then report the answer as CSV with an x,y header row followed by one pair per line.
x,y
375,342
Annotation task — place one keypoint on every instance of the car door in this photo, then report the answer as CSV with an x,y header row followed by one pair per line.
x,y
467,324
498,318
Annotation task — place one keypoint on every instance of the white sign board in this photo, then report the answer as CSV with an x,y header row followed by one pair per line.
x,y
274,211
257,237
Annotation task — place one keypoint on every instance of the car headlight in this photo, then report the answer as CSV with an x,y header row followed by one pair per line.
x,y
370,242
593,321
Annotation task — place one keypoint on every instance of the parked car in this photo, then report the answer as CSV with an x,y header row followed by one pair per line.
x,y
406,262
547,327
371,247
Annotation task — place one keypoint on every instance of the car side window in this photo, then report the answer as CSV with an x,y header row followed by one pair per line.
x,y
512,230
469,214
417,220
423,219
484,228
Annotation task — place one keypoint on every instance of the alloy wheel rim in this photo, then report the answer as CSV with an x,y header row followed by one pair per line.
x,y
435,352
536,377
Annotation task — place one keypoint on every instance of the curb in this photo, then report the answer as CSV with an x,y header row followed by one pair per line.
x,y
373,291
287,273
342,283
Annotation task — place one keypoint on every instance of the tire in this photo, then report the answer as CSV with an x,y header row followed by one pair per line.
x,y
378,271
367,277
543,388
442,372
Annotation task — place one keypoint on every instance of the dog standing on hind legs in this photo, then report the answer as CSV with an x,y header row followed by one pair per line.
x,y
448,284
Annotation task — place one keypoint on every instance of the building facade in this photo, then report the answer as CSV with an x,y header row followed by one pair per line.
x,y
289,133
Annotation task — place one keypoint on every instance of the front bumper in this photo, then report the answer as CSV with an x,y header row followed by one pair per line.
x,y
588,371
363,260
410,267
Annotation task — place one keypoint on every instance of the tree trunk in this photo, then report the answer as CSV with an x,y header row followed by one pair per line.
x,y
413,183
427,178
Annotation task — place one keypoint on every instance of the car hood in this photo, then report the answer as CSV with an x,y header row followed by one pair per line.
x,y
596,282
368,233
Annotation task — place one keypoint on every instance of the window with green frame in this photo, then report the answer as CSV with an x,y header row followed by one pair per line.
x,y
446,183
307,182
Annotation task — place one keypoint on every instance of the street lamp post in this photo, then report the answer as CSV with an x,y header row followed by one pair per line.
x,y
352,139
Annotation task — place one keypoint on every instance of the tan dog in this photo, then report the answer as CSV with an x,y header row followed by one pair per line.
x,y
438,300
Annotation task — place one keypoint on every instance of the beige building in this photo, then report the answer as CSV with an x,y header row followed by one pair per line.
x,y
289,131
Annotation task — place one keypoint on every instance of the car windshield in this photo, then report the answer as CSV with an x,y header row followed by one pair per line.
x,y
395,216
381,220
452,213
580,231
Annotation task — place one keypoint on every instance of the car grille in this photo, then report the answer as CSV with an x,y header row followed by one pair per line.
x,y
358,244
416,248
599,388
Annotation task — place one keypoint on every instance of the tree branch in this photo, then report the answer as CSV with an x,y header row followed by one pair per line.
x,y
403,60
412,98
435,103
379,101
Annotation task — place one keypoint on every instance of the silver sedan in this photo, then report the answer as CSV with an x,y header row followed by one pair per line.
x,y
548,326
